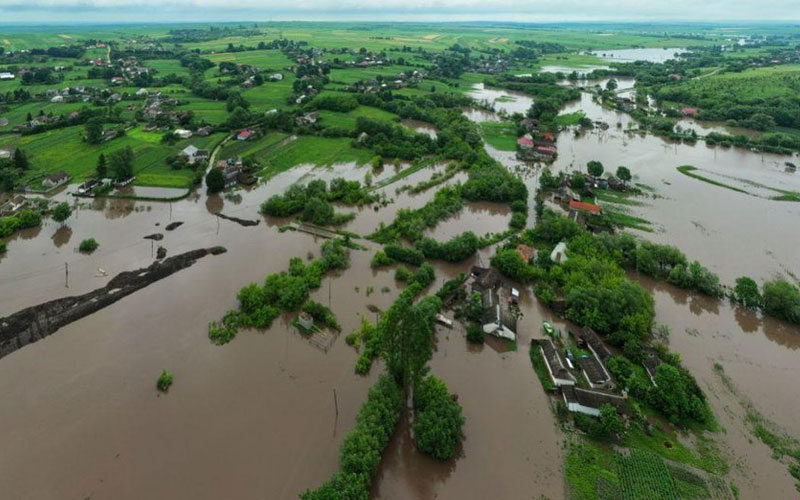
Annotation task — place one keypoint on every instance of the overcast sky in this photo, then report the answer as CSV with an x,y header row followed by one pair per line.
x,y
70,11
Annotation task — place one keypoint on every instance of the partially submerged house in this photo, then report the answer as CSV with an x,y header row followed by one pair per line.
x,y
499,318
589,401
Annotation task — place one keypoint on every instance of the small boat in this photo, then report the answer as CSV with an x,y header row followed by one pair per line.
x,y
443,320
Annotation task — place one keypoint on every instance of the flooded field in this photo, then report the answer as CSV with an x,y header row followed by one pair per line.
x,y
256,418
505,100
656,55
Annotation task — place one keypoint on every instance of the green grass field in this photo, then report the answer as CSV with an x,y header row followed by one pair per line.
x,y
308,149
348,120
501,135
64,149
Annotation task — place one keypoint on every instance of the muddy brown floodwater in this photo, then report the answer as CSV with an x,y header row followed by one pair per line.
x,y
256,419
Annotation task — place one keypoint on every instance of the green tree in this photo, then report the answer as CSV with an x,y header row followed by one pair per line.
x,y
611,85
62,212
121,163
21,159
94,131
317,211
624,174
578,181
406,334
595,168
440,419
782,300
746,292
215,180
102,169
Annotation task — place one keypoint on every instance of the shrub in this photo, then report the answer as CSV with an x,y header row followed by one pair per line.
x,y
425,275
475,334
404,254
782,300
746,292
88,245
438,427
380,259
402,273
164,381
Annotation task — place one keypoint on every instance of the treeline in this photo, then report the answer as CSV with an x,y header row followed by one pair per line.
x,y
778,298
313,201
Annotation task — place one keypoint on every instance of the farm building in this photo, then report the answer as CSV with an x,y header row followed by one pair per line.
x,y
555,365
589,401
56,179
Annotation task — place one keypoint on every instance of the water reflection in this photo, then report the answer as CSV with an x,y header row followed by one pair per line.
x,y
61,236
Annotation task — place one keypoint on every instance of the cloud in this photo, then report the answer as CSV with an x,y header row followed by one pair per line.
x,y
52,11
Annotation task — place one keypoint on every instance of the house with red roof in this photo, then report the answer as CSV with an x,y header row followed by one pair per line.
x,y
582,206
525,143
689,111
244,135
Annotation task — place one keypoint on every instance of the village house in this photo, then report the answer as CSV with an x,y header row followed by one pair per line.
x,y
4,75
525,142
193,155
585,207
559,253
555,364
231,169
13,206
307,119
205,131
691,112
498,317
142,92
55,180
244,135
56,99
183,133
5,154
276,77
117,80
